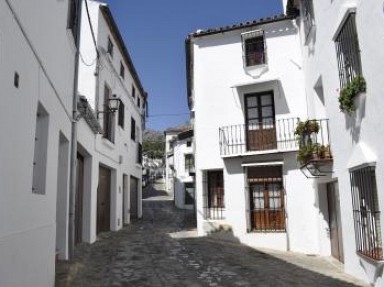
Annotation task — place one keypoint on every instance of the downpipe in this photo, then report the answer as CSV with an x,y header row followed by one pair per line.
x,y
73,156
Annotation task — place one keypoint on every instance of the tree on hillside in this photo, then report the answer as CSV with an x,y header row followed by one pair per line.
x,y
153,143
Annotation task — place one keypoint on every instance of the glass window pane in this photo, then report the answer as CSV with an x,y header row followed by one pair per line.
x,y
267,111
266,100
253,125
252,102
253,113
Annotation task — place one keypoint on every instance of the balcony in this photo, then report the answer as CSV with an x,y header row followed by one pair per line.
x,y
314,156
269,136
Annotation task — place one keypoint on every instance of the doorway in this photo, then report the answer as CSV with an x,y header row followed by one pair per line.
x,y
103,200
134,197
334,221
79,199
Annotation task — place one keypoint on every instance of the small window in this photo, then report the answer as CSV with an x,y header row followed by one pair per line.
x,y
133,129
189,143
189,163
308,16
110,47
133,91
121,114
122,70
348,51
138,102
108,118
16,79
366,213
254,48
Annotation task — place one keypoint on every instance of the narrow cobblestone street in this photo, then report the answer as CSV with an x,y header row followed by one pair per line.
x,y
162,250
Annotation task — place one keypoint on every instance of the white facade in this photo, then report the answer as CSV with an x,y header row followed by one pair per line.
x,y
219,82
38,49
356,139
119,151
183,171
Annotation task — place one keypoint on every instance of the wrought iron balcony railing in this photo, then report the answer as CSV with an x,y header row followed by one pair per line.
x,y
267,135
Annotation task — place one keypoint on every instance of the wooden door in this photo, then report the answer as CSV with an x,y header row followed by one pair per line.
x,y
124,200
103,200
334,221
260,121
79,198
134,196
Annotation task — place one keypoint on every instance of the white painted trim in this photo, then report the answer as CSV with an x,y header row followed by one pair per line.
x,y
270,163
244,84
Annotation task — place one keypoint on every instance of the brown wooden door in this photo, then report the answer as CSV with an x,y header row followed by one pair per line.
x,y
260,121
334,221
134,197
103,200
79,199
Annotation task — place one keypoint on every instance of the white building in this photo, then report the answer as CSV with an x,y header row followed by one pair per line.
x,y
246,89
37,53
109,169
183,170
342,40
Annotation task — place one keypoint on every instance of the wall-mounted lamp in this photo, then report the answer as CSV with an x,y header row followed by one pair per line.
x,y
112,105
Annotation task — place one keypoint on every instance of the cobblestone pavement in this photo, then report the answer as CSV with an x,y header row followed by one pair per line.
x,y
162,250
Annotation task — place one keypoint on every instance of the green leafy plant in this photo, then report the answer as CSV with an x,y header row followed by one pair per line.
x,y
307,149
349,92
325,151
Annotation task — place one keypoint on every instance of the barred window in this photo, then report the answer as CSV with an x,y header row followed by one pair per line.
x,y
253,48
266,192
110,47
366,213
121,114
348,51
214,195
308,16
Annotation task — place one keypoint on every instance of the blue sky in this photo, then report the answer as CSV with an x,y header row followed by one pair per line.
x,y
154,32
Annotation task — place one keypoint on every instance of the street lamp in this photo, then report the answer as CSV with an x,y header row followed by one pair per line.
x,y
113,104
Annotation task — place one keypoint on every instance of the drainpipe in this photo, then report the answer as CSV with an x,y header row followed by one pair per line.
x,y
73,157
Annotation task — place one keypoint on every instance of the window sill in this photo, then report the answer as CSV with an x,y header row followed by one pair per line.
x,y
256,71
377,262
108,143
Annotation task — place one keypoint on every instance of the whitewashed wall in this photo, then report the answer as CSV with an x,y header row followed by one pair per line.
x,y
348,133
44,59
121,156
181,176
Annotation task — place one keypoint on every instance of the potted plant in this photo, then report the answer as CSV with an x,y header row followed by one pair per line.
x,y
349,92
325,151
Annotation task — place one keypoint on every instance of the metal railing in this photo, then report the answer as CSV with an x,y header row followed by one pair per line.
x,y
214,207
261,136
314,142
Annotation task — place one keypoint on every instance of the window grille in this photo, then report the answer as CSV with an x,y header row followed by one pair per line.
x,y
266,193
253,48
133,129
366,213
213,195
139,154
348,51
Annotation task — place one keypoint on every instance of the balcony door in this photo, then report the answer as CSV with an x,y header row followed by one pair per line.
x,y
260,121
